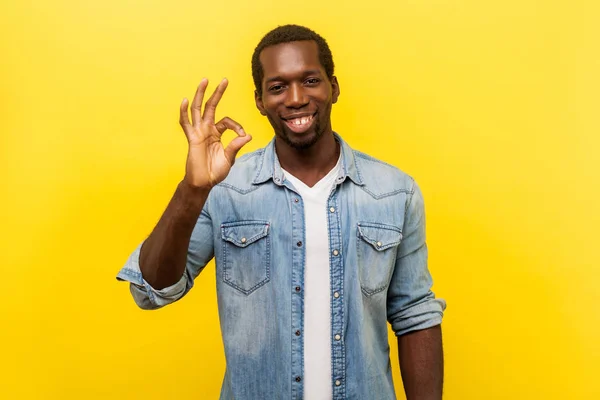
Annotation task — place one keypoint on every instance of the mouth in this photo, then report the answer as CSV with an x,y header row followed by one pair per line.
x,y
301,123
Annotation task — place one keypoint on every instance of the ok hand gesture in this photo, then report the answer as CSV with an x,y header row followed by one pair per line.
x,y
208,161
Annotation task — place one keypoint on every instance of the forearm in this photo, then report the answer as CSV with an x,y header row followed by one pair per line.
x,y
164,253
422,363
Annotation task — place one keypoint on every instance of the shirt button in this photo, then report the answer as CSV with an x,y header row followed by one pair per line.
x,y
296,200
337,337
298,379
298,288
336,294
378,244
298,333
332,209
338,383
299,244
335,252
243,240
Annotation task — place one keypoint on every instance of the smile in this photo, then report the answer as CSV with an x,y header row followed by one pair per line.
x,y
300,124
300,121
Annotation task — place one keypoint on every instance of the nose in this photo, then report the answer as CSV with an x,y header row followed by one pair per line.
x,y
295,96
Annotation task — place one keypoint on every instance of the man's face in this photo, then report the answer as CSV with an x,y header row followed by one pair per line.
x,y
297,95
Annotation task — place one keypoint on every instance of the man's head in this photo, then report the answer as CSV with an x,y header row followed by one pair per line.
x,y
292,69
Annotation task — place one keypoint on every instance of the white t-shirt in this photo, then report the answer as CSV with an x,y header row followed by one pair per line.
x,y
317,289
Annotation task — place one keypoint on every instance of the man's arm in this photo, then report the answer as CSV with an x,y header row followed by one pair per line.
x,y
413,311
422,363
163,255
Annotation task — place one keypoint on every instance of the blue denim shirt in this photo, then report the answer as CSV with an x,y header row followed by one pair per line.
x,y
253,225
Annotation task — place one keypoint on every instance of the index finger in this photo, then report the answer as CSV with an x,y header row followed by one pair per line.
x,y
211,104
197,102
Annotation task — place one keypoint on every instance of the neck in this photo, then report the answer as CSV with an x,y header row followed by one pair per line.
x,y
310,164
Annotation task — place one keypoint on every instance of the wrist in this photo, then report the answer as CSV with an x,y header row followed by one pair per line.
x,y
192,192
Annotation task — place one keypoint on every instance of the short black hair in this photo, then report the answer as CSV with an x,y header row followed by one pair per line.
x,y
286,34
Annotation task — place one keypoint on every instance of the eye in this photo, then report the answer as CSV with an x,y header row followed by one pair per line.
x,y
276,88
312,81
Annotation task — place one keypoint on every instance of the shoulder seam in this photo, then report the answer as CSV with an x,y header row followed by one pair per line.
x,y
371,158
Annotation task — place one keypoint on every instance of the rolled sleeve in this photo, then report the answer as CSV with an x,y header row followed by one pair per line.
x,y
200,252
411,305
144,295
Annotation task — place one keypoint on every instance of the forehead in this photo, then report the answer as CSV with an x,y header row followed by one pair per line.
x,y
292,58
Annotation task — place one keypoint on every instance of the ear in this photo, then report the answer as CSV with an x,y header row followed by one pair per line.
x,y
335,89
259,103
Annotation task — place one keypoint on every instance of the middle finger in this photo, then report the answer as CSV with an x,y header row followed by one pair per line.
x,y
211,104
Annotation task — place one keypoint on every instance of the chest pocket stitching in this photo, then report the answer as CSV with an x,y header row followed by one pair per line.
x,y
252,231
387,235
228,232
370,234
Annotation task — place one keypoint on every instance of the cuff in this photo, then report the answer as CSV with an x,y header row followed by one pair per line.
x,y
420,316
143,293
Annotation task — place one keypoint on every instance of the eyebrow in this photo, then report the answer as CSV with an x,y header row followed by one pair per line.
x,y
305,73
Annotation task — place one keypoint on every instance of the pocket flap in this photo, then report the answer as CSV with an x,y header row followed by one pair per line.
x,y
244,233
380,236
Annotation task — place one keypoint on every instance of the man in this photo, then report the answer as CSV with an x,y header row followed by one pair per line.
x,y
316,245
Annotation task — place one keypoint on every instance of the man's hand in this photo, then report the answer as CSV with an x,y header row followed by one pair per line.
x,y
208,161
163,256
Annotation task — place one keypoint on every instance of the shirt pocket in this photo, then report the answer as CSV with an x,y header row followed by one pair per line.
x,y
376,248
246,254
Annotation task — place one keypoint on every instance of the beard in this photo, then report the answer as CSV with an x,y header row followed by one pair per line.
x,y
304,142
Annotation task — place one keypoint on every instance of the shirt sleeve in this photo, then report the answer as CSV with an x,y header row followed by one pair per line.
x,y
200,252
411,305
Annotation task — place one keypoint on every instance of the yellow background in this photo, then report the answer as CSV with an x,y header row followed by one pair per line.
x,y
491,105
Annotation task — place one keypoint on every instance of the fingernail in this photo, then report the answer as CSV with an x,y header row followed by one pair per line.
x,y
243,132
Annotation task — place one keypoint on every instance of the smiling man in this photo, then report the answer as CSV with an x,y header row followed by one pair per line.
x,y
317,246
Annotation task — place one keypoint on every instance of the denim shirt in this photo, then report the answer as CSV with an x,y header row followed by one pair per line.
x,y
253,225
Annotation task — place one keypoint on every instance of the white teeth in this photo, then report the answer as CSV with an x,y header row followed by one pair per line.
x,y
301,121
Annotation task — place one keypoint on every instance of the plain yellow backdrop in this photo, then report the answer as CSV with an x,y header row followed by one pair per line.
x,y
491,105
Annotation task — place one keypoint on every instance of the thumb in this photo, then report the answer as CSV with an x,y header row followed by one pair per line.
x,y
234,146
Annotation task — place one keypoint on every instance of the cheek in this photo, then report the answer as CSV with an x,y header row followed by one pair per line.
x,y
271,102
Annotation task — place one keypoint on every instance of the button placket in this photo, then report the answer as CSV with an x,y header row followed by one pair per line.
x,y
298,260
338,352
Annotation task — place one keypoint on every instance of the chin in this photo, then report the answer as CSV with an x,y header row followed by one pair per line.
x,y
300,141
